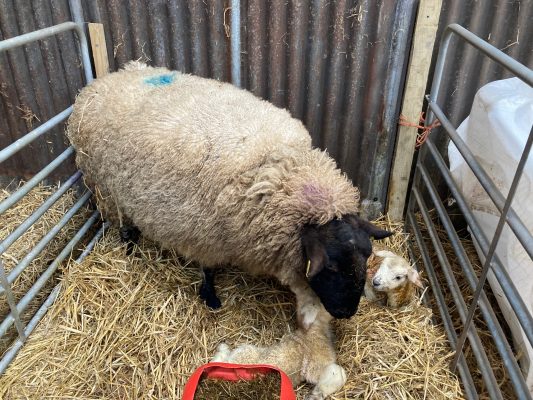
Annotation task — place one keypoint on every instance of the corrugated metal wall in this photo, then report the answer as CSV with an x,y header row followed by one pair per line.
x,y
505,24
339,66
36,82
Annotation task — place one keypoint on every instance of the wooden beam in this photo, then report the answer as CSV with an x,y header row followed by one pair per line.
x,y
417,75
99,49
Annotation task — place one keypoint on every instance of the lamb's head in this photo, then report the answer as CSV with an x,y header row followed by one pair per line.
x,y
393,271
336,256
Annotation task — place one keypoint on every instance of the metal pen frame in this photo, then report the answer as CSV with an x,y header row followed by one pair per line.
x,y
422,183
7,280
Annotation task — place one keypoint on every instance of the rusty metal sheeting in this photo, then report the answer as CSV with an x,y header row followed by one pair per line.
x,y
337,66
504,24
37,81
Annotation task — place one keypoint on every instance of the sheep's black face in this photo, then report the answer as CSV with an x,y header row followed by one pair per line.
x,y
336,255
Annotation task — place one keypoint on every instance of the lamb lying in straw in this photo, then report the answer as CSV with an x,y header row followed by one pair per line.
x,y
391,279
303,355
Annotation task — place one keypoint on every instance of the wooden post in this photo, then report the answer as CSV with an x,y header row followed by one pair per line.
x,y
99,49
417,75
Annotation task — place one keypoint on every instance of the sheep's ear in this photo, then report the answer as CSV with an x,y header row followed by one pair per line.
x,y
368,227
414,277
316,257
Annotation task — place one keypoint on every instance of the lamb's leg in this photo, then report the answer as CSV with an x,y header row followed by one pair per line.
x,y
207,289
129,234
331,380
307,303
223,353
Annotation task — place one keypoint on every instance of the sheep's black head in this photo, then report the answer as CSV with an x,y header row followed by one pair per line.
x,y
335,256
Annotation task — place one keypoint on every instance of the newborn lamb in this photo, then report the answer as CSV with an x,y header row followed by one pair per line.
x,y
303,355
391,279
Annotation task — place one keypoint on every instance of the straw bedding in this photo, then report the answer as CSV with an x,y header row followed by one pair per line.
x,y
132,327
10,220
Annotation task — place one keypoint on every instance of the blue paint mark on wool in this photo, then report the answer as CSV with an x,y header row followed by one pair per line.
x,y
160,80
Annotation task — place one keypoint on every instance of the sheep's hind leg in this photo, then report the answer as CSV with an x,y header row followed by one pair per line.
x,y
129,234
207,289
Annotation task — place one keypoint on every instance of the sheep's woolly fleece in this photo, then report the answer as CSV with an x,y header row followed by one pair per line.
x,y
132,327
205,168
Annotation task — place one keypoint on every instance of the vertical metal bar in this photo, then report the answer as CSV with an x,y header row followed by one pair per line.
x,y
515,223
498,336
236,42
12,352
475,343
11,301
464,372
494,243
76,10
521,71
517,303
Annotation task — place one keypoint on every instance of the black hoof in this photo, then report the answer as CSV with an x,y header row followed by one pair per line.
x,y
210,297
130,235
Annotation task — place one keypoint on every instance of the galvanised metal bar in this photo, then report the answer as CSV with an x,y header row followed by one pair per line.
x,y
498,335
28,222
93,241
464,372
514,221
11,301
495,240
17,345
475,343
51,31
521,71
507,285
33,253
34,134
39,284
236,42
425,297
76,10
20,193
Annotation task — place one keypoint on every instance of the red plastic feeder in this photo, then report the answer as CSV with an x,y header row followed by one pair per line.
x,y
236,372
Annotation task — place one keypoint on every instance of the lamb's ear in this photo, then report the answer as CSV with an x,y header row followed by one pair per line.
x,y
368,227
414,277
316,257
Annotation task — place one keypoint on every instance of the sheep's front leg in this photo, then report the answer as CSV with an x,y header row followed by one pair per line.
x,y
307,303
331,380
207,289
129,234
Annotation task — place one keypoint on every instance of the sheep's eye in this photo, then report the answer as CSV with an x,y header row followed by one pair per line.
x,y
398,277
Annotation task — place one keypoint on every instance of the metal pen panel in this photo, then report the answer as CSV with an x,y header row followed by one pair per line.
x,y
39,247
423,179
18,145
12,352
51,31
464,371
508,287
47,274
498,335
20,193
514,221
496,238
10,151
